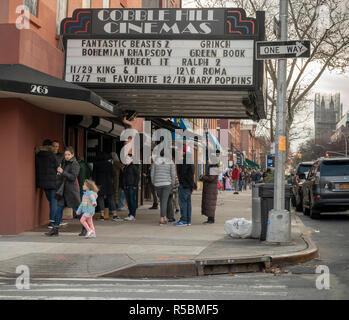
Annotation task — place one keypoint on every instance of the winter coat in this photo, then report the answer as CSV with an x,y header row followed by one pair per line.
x,y
85,173
163,173
45,168
130,176
103,175
186,175
71,194
236,174
209,195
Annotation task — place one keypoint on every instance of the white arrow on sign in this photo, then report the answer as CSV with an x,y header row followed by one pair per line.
x,y
297,49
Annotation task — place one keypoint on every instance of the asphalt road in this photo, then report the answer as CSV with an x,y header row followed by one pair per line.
x,y
330,233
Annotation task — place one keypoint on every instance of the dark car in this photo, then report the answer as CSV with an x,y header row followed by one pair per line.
x,y
297,184
327,185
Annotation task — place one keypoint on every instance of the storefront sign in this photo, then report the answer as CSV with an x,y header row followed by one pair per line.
x,y
161,47
160,62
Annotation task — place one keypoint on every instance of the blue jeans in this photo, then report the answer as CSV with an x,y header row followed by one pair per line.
x,y
130,194
185,204
240,185
121,199
59,215
50,195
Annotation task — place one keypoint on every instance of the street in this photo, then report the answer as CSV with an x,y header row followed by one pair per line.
x,y
291,282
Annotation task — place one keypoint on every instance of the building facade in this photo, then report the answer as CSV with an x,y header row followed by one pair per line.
x,y
328,111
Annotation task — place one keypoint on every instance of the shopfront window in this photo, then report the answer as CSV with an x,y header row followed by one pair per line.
x,y
62,6
32,6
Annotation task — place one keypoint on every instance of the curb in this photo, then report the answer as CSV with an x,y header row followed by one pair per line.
x,y
205,267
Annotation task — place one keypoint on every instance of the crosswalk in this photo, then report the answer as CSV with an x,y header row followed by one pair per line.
x,y
124,289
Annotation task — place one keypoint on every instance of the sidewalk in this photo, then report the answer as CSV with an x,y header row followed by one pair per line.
x,y
142,248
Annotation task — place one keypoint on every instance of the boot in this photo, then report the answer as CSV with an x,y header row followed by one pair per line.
x,y
52,232
83,232
210,220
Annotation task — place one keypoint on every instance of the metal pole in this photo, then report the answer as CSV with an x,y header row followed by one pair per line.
x,y
279,228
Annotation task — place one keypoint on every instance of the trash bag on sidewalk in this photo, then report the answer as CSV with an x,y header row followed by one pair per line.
x,y
238,228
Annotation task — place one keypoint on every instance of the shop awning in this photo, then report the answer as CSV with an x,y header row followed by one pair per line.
x,y
249,163
50,93
214,141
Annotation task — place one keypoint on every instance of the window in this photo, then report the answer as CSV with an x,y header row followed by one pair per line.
x,y
86,3
335,168
32,6
62,6
106,3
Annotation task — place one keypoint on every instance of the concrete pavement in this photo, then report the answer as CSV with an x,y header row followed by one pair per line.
x,y
144,249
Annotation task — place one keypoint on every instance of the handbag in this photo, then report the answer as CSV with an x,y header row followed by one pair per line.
x,y
60,192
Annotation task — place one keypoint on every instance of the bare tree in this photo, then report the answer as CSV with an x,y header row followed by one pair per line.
x,y
326,24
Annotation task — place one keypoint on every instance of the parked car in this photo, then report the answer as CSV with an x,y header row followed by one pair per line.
x,y
297,184
327,185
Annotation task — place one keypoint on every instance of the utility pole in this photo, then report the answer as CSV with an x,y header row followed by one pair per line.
x,y
279,224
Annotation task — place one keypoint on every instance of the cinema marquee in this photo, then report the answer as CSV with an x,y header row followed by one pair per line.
x,y
168,59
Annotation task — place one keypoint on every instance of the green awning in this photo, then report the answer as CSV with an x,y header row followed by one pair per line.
x,y
249,163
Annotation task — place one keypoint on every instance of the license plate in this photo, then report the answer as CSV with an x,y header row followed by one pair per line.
x,y
344,186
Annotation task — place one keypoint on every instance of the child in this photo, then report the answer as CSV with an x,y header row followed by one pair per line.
x,y
87,207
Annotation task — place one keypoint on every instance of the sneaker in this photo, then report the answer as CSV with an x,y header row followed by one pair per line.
x,y
121,209
171,220
50,225
116,218
62,224
101,218
93,235
130,218
180,224
88,235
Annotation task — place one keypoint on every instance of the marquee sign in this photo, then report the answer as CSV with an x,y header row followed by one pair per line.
x,y
211,48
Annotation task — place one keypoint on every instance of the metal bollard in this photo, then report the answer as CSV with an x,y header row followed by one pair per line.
x,y
256,213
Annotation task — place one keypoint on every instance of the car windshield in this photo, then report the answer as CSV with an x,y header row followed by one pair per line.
x,y
335,168
303,169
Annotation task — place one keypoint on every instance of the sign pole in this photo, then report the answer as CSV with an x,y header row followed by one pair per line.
x,y
279,224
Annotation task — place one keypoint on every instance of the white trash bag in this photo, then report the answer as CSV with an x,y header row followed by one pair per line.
x,y
238,228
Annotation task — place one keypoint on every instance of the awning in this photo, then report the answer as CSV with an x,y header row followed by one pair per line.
x,y
249,163
50,93
214,141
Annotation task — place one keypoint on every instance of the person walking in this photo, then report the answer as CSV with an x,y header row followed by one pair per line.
x,y
235,177
185,189
46,173
209,194
130,185
163,177
87,207
68,190
103,174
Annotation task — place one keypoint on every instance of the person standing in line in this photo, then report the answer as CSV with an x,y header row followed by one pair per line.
x,y
117,165
103,174
209,194
163,177
155,205
87,207
59,156
68,191
235,177
130,185
186,186
46,174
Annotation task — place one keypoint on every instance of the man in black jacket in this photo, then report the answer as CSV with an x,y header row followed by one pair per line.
x,y
185,173
46,174
130,185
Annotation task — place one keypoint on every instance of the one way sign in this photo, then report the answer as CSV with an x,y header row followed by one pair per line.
x,y
282,49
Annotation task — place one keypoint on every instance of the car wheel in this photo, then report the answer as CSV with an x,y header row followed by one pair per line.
x,y
314,213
